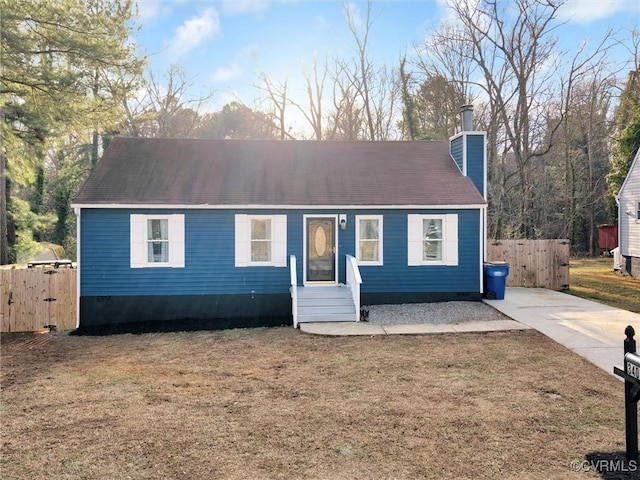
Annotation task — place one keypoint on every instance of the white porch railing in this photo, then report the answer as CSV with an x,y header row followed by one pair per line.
x,y
294,289
354,280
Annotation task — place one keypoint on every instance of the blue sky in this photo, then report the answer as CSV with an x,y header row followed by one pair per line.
x,y
223,45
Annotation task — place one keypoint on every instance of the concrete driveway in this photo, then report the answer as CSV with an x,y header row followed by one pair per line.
x,y
592,330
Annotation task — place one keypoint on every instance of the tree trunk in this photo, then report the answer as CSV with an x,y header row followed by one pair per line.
x,y
95,138
37,198
4,237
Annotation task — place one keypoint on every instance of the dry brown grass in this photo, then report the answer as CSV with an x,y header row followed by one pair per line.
x,y
594,278
275,403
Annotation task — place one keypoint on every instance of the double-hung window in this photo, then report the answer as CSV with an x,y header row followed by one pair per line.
x,y
432,239
260,240
157,241
369,239
638,212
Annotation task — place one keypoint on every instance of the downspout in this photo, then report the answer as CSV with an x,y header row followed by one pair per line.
x,y
485,194
485,216
77,211
617,198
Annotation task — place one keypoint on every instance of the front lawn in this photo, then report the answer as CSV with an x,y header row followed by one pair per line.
x,y
276,403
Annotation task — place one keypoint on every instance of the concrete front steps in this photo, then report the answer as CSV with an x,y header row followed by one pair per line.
x,y
325,304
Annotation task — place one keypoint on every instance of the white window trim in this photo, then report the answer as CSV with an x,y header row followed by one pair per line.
x,y
380,240
638,212
243,240
139,240
449,240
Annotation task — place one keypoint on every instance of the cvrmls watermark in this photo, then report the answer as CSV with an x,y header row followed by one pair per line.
x,y
605,466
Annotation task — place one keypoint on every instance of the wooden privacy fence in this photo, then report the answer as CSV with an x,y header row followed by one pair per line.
x,y
35,298
533,263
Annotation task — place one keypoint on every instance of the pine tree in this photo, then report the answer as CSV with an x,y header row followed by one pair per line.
x,y
627,141
59,60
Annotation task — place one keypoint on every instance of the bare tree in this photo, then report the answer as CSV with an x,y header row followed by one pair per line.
x,y
165,108
277,96
504,58
373,92
362,103
514,47
448,69
585,89
443,78
409,115
133,106
596,97
446,54
346,121
237,121
314,90
511,57
570,193
175,114
362,70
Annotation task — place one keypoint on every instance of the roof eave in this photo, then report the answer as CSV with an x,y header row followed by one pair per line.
x,y
151,206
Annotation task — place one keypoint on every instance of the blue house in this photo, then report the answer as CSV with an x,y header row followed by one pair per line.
x,y
269,232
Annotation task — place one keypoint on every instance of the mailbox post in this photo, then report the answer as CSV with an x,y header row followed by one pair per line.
x,y
631,375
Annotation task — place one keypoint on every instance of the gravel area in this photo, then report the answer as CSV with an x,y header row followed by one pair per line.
x,y
436,313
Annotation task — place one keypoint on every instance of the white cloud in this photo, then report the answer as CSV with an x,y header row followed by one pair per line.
x,y
244,6
150,10
147,11
193,33
587,11
224,74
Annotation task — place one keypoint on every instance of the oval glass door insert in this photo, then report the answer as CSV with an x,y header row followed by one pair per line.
x,y
320,241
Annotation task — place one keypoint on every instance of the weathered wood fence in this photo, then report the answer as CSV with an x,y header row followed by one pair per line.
x,y
533,263
34,298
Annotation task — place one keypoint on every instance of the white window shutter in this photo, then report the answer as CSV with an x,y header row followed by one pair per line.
x,y
414,240
243,240
138,244
279,241
451,240
176,241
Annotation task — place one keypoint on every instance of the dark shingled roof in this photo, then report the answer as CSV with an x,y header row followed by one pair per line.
x,y
168,171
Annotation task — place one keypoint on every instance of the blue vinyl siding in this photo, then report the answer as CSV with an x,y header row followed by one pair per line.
x,y
457,151
470,162
209,256
475,160
396,276
209,259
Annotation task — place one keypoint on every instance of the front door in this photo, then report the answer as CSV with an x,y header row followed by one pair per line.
x,y
321,249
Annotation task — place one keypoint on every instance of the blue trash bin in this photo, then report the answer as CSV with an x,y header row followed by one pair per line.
x,y
495,279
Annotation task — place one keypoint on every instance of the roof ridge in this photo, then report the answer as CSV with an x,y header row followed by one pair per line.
x,y
276,141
